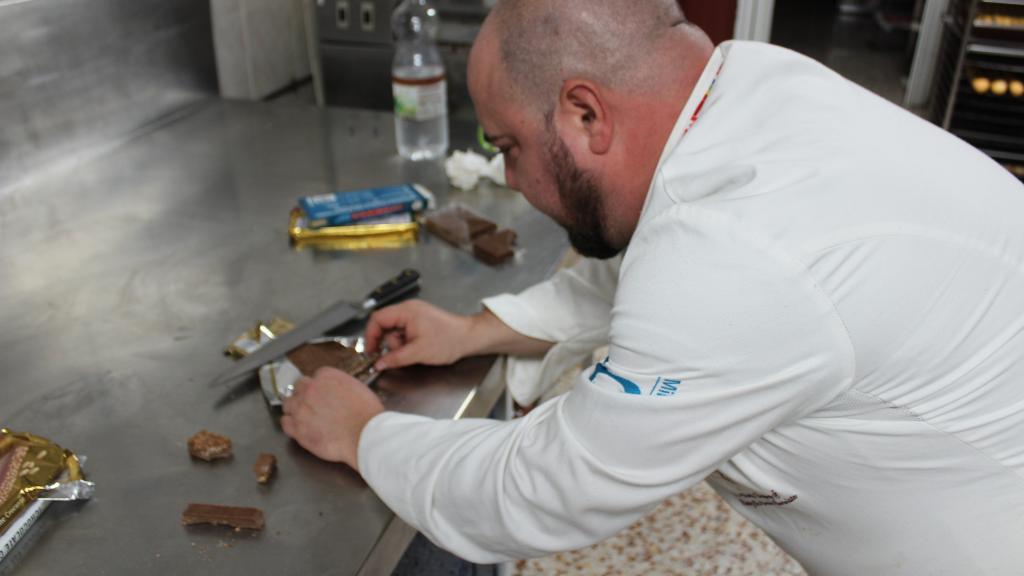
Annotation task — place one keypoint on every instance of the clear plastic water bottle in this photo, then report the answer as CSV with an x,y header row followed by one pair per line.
x,y
418,82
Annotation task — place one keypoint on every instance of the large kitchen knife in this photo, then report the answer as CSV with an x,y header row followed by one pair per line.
x,y
338,314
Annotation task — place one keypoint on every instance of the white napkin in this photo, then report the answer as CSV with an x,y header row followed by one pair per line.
x,y
465,169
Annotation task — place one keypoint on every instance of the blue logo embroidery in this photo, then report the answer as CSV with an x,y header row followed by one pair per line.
x,y
662,386
665,387
627,386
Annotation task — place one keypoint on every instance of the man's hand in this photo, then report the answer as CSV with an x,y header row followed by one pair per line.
x,y
417,333
327,413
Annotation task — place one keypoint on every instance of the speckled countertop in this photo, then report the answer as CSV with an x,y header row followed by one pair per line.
x,y
695,533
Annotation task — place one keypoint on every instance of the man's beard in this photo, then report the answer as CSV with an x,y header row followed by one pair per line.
x,y
581,202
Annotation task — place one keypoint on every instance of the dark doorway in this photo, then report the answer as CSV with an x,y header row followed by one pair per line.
x,y
869,41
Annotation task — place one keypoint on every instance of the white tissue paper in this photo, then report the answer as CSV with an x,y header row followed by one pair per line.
x,y
465,169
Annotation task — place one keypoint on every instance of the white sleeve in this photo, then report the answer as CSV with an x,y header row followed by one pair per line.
x,y
744,337
571,309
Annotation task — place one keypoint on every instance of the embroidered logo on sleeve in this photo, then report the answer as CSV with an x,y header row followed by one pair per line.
x,y
628,386
659,386
665,387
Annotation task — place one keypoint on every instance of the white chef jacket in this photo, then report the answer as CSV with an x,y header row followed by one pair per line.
x,y
821,311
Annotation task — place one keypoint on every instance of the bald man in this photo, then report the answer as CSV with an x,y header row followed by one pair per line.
x,y
812,299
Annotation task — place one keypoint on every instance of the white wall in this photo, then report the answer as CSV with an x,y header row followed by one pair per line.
x,y
926,55
260,46
754,20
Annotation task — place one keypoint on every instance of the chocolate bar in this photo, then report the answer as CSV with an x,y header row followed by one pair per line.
x,y
353,206
459,226
478,226
236,517
278,379
496,248
394,231
32,468
264,467
309,358
208,446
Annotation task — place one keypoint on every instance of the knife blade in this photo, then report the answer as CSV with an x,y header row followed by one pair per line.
x,y
339,313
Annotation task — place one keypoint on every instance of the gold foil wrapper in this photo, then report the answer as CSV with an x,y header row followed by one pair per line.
x,y
353,237
250,340
29,467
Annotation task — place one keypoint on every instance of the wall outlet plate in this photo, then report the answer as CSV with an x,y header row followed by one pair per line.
x,y
342,14
368,16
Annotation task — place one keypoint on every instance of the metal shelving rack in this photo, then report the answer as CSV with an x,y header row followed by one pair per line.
x,y
974,47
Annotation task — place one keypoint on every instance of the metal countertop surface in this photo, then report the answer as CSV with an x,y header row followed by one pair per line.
x,y
121,281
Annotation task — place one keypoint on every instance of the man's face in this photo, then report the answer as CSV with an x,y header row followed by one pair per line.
x,y
542,167
537,161
581,197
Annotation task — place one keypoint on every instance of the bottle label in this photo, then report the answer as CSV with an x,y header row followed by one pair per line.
x,y
420,100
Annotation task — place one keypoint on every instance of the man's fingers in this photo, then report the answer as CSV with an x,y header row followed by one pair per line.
x,y
399,358
372,336
295,408
307,436
301,386
288,425
394,340
383,321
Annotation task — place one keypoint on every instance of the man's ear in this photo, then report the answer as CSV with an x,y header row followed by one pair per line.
x,y
585,115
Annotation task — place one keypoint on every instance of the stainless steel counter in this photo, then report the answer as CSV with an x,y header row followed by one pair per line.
x,y
122,280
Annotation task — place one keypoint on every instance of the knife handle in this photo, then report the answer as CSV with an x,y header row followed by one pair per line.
x,y
407,280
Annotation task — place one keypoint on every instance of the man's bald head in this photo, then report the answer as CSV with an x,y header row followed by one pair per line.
x,y
616,43
581,97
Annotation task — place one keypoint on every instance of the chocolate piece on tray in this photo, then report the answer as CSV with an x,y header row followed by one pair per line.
x,y
208,446
478,226
264,467
459,226
308,358
495,248
236,517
